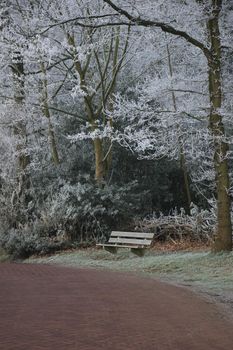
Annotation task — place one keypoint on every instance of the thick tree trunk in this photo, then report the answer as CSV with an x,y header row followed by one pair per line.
x,y
224,230
100,168
223,241
53,144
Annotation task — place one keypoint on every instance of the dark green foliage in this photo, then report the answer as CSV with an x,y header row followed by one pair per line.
x,y
67,207
162,180
86,212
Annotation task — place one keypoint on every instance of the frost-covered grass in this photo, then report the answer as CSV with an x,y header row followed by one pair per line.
x,y
210,272
3,256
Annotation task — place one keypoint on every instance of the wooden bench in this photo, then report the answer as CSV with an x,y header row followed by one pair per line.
x,y
137,242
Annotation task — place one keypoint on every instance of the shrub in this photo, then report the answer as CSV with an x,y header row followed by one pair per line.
x,y
199,225
22,244
79,213
86,212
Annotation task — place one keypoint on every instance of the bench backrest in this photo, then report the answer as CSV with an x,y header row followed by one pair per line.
x,y
131,238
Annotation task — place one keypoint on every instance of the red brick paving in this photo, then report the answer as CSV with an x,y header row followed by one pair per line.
x,y
55,308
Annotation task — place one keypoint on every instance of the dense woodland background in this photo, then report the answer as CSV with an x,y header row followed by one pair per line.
x,y
114,115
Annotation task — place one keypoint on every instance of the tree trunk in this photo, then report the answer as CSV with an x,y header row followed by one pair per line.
x,y
51,135
182,154
100,169
186,179
53,144
46,111
19,96
20,130
223,241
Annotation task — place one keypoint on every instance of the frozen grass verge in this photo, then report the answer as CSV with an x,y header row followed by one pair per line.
x,y
205,271
3,256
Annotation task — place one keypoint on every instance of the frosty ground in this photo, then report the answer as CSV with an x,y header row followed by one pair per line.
x,y
208,274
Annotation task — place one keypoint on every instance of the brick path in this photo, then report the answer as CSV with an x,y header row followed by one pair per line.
x,y
55,308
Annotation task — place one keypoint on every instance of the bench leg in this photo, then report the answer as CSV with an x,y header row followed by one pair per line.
x,y
138,251
112,250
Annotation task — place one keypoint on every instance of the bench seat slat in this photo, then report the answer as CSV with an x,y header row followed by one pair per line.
x,y
129,241
119,245
132,234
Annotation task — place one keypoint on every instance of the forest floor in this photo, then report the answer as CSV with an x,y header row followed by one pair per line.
x,y
208,274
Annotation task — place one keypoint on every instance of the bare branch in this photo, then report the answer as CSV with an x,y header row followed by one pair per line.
x,y
78,19
66,112
163,26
